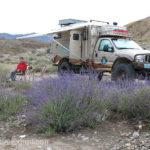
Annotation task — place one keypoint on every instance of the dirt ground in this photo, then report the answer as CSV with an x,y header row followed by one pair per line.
x,y
108,135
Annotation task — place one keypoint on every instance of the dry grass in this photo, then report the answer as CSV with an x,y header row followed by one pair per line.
x,y
20,46
33,51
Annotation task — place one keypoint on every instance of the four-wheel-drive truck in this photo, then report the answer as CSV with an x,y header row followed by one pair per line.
x,y
79,44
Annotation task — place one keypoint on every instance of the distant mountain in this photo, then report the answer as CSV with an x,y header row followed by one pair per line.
x,y
44,38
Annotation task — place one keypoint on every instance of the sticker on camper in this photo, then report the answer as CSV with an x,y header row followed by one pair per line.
x,y
104,60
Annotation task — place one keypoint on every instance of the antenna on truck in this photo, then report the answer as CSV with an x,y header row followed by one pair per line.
x,y
99,21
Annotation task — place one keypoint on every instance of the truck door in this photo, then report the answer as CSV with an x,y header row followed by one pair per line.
x,y
104,54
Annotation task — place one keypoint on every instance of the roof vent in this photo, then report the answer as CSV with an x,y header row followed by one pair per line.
x,y
66,22
115,23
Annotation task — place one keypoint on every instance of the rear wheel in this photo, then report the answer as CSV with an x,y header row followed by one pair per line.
x,y
123,72
64,67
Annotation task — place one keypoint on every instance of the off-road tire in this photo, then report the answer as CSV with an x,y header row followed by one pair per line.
x,y
123,69
100,75
64,67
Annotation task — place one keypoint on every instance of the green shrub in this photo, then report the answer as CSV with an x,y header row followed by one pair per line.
x,y
20,84
31,59
40,54
7,59
4,74
10,105
48,50
135,105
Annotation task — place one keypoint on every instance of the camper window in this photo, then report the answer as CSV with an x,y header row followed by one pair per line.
x,y
57,36
75,36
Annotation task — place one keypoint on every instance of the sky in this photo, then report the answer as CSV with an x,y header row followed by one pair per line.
x,y
40,16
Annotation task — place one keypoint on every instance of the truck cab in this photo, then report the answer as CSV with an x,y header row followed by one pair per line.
x,y
123,57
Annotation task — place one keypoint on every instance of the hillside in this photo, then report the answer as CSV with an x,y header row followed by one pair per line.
x,y
140,29
20,46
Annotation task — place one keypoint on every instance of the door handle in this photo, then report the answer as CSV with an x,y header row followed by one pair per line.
x,y
96,54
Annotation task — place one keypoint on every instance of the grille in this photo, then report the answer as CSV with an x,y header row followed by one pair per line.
x,y
147,58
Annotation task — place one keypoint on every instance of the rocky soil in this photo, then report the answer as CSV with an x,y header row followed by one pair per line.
x,y
114,134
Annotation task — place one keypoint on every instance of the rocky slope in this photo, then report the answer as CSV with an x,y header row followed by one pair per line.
x,y
20,46
140,29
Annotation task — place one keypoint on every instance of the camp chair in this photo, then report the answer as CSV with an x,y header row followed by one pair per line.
x,y
28,74
21,75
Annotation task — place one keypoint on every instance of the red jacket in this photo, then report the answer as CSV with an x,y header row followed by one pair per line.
x,y
22,66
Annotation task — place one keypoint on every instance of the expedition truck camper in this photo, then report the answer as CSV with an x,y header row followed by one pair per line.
x,y
104,47
96,44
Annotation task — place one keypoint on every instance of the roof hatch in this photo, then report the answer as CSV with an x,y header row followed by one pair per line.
x,y
66,22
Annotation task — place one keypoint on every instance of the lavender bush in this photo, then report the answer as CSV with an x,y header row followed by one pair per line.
x,y
22,85
64,104
70,102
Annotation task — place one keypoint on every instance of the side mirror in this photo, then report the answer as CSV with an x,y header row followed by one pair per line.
x,y
112,49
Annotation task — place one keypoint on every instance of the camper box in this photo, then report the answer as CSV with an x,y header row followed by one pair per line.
x,y
76,39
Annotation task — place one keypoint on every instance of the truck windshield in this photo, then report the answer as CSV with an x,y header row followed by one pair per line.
x,y
125,44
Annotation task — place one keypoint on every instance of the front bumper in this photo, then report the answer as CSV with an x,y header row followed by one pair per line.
x,y
142,66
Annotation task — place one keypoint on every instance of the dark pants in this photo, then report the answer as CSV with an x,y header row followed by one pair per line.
x,y
12,75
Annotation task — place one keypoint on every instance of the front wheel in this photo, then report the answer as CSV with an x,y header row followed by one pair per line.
x,y
123,72
100,75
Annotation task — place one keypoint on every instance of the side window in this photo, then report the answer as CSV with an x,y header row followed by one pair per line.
x,y
103,43
75,36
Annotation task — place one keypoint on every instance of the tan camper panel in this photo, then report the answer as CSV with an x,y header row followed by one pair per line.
x,y
64,39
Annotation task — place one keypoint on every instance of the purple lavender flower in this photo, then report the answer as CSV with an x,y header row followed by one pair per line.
x,y
71,101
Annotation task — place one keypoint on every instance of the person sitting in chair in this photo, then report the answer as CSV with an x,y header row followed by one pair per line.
x,y
21,68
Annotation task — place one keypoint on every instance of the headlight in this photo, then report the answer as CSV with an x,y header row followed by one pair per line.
x,y
140,58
